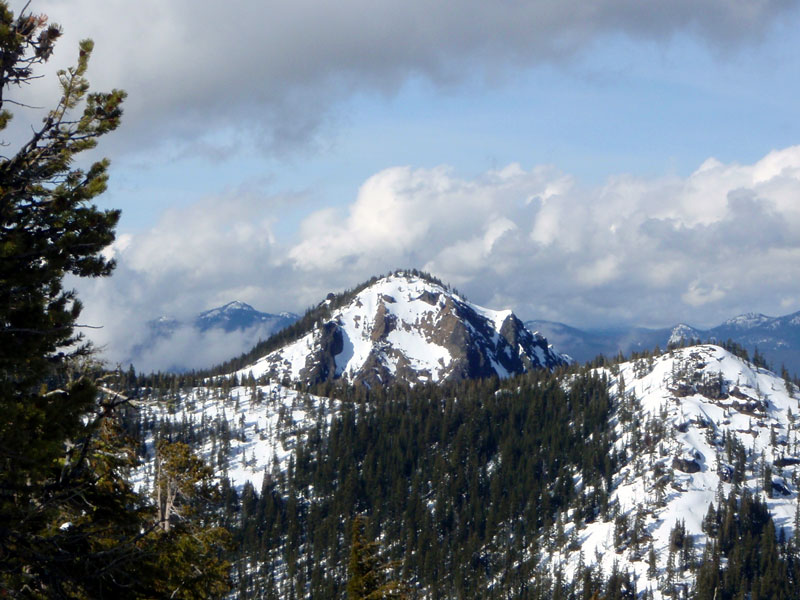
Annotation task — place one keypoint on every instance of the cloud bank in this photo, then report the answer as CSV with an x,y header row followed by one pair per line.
x,y
648,251
272,71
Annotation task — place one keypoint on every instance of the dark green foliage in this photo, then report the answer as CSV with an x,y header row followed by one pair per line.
x,y
368,577
734,348
48,229
759,360
756,563
460,482
70,524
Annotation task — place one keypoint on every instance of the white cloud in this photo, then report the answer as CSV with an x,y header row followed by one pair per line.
x,y
402,210
699,294
602,271
187,348
647,250
195,258
636,250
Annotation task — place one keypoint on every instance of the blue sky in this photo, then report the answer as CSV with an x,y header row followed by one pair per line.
x,y
552,158
622,105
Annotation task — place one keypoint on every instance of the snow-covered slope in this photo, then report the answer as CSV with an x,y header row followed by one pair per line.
x,y
688,427
245,433
682,334
407,327
679,420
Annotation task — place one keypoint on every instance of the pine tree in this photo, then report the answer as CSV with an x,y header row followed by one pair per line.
x,y
70,525
180,477
368,579
186,544
47,230
652,564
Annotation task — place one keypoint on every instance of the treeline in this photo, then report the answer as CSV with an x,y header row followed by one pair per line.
x,y
744,557
467,486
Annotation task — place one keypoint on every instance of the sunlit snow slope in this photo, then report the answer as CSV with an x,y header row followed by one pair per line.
x,y
406,327
673,415
243,433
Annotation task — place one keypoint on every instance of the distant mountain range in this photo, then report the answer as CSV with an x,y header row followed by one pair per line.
x,y
233,316
240,316
777,338
236,323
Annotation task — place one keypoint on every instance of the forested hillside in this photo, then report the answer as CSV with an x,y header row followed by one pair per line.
x,y
670,475
458,481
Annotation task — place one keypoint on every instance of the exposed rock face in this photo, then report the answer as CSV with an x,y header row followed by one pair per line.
x,y
320,364
384,323
687,465
407,328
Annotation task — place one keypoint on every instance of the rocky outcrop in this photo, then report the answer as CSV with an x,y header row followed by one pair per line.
x,y
383,323
687,465
407,328
321,364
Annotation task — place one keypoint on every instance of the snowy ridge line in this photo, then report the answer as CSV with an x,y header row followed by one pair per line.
x,y
404,327
676,418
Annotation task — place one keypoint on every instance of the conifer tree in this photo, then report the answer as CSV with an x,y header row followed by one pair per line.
x,y
47,230
70,525
368,579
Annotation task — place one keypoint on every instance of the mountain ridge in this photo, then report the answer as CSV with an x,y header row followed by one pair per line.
x,y
692,424
409,327
685,432
777,338
238,315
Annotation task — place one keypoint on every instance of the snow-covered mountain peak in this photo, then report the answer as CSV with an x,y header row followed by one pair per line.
x,y
238,315
683,332
747,320
227,309
690,426
408,327
236,305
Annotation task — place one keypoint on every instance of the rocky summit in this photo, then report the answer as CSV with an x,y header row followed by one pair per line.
x,y
411,328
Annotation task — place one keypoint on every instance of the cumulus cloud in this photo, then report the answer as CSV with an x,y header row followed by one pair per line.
x,y
400,210
648,251
195,258
274,70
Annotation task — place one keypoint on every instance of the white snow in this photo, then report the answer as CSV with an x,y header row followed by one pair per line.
x,y
413,307
264,424
694,394
692,423
747,320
